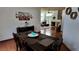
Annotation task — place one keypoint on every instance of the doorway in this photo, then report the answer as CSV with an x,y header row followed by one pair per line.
x,y
51,20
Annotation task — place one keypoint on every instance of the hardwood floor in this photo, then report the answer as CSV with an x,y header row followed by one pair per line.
x,y
9,45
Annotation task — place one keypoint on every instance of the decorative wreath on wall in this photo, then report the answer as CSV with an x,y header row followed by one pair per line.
x,y
68,10
73,15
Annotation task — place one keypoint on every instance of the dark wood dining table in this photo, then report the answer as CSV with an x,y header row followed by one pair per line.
x,y
39,43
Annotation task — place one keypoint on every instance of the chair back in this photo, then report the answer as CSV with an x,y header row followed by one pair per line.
x,y
57,44
17,41
24,29
59,28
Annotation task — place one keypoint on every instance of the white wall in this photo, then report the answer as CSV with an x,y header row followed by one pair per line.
x,y
71,30
8,21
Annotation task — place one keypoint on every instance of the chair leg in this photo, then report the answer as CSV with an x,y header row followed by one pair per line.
x,y
17,48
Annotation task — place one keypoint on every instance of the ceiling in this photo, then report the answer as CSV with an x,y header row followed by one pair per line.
x,y
52,8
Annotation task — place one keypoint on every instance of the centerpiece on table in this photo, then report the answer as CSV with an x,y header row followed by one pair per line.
x,y
33,34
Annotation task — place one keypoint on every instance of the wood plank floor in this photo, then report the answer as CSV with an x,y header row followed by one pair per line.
x,y
9,45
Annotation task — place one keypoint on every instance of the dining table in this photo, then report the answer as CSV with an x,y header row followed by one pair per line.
x,y
38,43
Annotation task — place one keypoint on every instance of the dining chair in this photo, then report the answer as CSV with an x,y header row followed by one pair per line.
x,y
56,46
17,41
58,28
25,29
27,47
20,45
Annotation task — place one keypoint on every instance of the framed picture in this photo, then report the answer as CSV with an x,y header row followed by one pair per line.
x,y
23,16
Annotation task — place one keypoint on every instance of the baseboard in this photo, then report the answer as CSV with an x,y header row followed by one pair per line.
x,y
6,40
66,47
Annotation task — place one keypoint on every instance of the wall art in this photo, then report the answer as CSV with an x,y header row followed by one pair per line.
x,y
23,16
68,11
73,15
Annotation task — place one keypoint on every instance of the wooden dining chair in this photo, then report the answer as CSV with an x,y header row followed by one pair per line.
x,y
17,41
20,45
58,28
27,47
56,46
25,29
